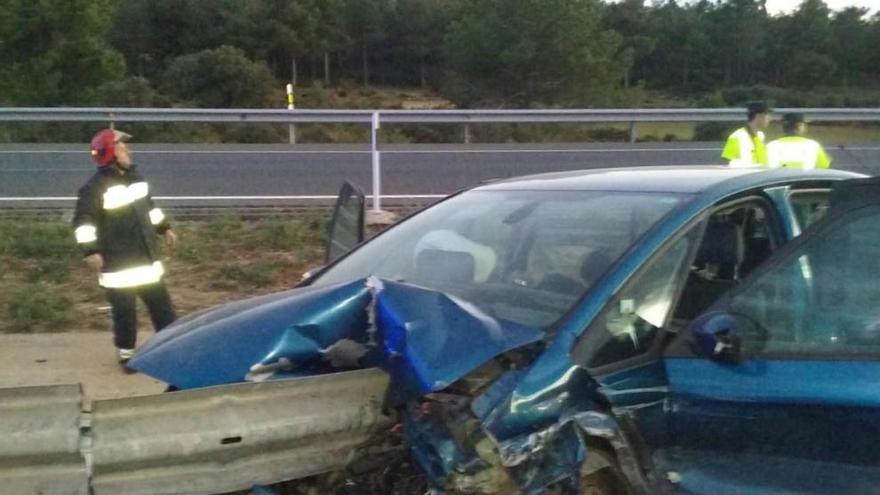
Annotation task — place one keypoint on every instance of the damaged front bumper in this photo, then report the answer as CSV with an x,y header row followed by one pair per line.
x,y
452,368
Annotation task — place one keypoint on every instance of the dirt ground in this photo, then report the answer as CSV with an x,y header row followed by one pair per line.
x,y
87,358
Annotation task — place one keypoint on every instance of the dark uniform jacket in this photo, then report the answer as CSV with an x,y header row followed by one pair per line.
x,y
115,217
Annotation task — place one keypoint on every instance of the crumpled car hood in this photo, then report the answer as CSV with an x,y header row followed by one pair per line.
x,y
222,345
425,339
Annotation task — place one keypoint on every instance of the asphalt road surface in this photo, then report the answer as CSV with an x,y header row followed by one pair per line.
x,y
240,171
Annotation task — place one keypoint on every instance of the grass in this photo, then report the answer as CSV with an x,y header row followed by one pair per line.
x,y
37,240
44,286
256,274
38,307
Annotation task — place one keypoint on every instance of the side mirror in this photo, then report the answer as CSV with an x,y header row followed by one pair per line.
x,y
715,336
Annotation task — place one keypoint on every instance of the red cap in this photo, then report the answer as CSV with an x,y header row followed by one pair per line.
x,y
104,145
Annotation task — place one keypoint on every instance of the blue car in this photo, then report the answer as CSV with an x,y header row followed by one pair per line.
x,y
650,330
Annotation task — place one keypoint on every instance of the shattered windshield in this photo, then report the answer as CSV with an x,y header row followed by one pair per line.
x,y
522,256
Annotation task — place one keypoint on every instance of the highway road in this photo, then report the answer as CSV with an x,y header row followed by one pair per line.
x,y
225,172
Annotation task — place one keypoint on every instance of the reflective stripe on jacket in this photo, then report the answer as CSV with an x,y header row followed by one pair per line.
x,y
115,217
745,150
797,152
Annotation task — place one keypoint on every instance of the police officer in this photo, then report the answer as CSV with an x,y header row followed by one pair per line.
x,y
745,147
794,150
116,224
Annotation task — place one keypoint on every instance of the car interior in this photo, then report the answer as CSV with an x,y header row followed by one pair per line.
x,y
737,239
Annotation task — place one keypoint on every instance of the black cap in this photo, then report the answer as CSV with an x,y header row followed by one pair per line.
x,y
793,119
755,107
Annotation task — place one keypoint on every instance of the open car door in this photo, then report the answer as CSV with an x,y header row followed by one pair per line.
x,y
347,224
775,388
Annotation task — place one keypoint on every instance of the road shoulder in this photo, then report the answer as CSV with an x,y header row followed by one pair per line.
x,y
87,358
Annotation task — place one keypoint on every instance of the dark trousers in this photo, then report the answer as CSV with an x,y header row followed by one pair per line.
x,y
123,307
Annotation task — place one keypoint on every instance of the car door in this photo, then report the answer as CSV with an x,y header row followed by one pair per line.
x,y
623,348
347,223
775,388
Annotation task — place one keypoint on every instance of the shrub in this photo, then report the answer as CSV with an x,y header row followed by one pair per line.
x,y
713,131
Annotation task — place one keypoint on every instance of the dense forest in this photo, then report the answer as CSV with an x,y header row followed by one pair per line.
x,y
476,53
469,53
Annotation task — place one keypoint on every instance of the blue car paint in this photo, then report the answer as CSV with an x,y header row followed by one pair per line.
x,y
554,384
845,383
414,332
222,346
704,473
801,409
420,330
554,391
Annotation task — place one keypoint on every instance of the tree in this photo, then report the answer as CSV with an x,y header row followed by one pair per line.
x,y
165,29
52,52
738,33
684,54
800,55
329,31
419,29
528,52
365,24
630,18
220,78
851,44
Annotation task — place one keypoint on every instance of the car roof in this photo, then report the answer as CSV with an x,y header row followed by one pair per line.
x,y
675,179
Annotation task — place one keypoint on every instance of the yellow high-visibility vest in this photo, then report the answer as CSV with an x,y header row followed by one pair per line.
x,y
745,150
797,152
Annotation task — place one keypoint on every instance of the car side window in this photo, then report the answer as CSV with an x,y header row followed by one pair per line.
x,y
809,206
822,300
737,239
630,323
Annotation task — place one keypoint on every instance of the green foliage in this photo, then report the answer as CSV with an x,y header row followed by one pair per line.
x,y
224,225
478,53
52,52
783,97
286,235
37,240
37,307
218,78
532,52
133,92
713,131
49,270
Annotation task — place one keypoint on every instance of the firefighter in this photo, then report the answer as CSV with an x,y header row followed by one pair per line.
x,y
745,147
117,226
794,150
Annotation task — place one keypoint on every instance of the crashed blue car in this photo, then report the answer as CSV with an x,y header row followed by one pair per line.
x,y
651,330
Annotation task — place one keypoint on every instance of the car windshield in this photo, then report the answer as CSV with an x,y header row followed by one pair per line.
x,y
522,256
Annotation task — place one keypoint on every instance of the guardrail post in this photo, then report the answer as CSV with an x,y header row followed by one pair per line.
x,y
377,164
291,127
633,134
467,134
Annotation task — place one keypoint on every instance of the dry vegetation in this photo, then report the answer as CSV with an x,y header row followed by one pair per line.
x,y
44,286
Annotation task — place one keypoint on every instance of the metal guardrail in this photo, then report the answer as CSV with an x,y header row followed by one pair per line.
x,y
244,115
375,118
195,442
40,440
226,438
